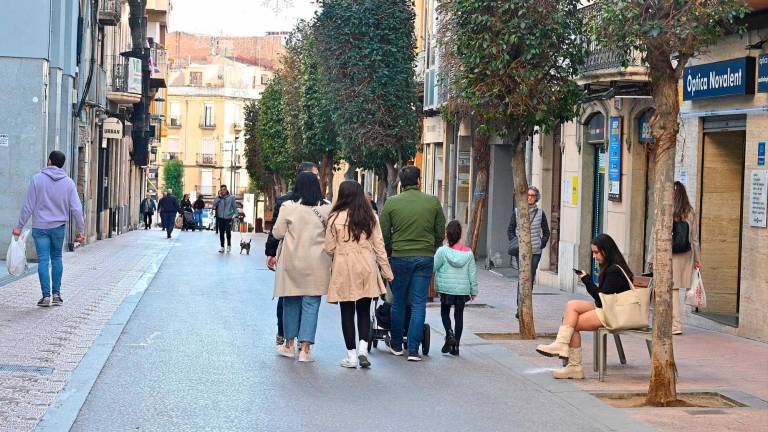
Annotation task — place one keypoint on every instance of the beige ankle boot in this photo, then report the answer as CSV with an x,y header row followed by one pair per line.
x,y
573,370
558,348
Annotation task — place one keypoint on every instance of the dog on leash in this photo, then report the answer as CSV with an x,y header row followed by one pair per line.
x,y
245,246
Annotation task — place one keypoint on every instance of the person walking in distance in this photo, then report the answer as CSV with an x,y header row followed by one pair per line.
x,y
169,208
270,248
375,207
354,240
413,226
199,206
539,235
303,268
686,251
226,209
51,199
147,209
456,282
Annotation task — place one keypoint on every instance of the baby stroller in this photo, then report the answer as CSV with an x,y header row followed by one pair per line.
x,y
188,220
381,323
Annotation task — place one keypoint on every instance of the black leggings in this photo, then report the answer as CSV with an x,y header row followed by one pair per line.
x,y
458,316
225,227
348,308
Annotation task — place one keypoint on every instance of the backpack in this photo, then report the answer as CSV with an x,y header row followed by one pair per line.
x,y
680,237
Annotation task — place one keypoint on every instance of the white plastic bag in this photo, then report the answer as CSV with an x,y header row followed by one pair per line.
x,y
696,296
16,258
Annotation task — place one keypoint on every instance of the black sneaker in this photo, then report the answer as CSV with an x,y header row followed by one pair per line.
x,y
57,300
455,350
414,357
44,302
393,350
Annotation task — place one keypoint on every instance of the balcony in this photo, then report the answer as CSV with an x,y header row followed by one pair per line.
x,y
173,155
109,12
237,126
125,85
158,64
206,159
174,123
207,190
207,124
97,92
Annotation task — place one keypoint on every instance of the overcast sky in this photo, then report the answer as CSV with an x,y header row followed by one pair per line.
x,y
238,17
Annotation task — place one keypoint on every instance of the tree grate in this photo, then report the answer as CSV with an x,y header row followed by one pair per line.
x,y
10,368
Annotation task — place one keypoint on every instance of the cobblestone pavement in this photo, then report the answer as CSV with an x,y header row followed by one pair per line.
x,y
96,279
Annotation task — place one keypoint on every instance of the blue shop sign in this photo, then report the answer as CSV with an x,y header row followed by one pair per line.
x,y
644,127
614,159
762,73
725,78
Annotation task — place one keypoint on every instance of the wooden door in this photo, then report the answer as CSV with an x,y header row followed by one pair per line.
x,y
721,205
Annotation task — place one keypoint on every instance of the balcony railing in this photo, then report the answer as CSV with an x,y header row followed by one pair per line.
x,y
158,61
207,190
172,155
109,12
174,123
206,159
601,57
207,124
237,126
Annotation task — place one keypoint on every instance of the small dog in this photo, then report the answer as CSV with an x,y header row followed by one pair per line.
x,y
245,246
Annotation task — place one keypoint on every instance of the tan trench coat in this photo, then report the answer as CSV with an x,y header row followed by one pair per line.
x,y
303,268
358,267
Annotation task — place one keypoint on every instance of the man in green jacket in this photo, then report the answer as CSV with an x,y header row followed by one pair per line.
x,y
413,225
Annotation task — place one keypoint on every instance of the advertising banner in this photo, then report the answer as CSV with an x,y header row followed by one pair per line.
x,y
614,159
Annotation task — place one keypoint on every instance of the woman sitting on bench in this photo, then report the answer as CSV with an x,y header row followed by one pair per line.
x,y
582,315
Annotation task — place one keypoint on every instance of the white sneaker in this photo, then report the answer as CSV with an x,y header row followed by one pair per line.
x,y
305,357
229,249
348,363
221,250
285,351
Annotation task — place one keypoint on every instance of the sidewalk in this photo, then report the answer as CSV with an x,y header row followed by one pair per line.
x,y
40,347
706,360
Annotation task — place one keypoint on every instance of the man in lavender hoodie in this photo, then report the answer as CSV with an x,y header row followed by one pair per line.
x,y
51,197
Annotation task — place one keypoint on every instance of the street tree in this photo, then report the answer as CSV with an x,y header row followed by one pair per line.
x,y
367,50
516,68
173,176
261,180
277,153
668,34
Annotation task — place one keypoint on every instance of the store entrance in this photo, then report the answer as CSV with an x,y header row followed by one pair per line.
x,y
722,185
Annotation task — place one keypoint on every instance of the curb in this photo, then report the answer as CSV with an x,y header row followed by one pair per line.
x,y
62,413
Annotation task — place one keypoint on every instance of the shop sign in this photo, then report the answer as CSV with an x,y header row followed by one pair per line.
x,y
758,198
113,128
644,127
725,78
134,75
571,191
4,140
433,130
761,154
762,73
614,159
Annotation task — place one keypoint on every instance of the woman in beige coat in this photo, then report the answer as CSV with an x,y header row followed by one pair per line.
x,y
360,264
303,269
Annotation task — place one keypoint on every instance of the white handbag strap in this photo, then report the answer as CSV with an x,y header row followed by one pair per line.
x,y
631,284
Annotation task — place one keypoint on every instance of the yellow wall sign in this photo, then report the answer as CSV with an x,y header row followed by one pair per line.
x,y
575,190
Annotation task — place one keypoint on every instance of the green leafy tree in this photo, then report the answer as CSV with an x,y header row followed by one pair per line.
x,y
277,153
173,176
667,33
516,69
367,50
261,181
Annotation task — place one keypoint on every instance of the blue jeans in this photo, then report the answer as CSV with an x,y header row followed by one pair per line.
x,y
49,244
169,221
535,258
411,285
199,219
300,317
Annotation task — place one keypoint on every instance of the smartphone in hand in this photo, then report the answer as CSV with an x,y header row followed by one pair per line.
x,y
579,273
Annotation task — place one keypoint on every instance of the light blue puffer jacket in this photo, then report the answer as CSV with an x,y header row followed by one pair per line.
x,y
455,271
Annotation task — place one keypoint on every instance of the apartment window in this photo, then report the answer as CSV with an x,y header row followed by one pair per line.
x,y
264,79
208,115
174,117
196,78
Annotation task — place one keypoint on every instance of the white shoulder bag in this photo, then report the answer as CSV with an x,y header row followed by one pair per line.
x,y
627,310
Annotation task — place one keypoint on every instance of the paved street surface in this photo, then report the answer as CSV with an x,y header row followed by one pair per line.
x,y
197,354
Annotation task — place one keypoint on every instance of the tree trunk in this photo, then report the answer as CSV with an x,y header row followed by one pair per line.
x,y
392,179
326,176
662,386
381,198
482,162
527,328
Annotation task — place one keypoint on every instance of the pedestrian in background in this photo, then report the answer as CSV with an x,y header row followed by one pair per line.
x,y
413,226
303,268
226,210
147,209
686,251
373,203
354,240
456,282
270,248
169,208
51,199
199,206
539,236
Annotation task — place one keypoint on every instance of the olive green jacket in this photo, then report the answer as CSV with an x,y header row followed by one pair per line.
x,y
413,224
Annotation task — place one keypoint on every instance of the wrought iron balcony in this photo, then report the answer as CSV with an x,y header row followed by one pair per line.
x,y
174,123
206,159
172,155
109,12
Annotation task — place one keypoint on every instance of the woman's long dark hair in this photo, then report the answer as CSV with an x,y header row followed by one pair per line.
x,y
360,217
611,254
682,204
307,190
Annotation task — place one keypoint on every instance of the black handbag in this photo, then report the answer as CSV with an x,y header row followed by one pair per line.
x,y
680,237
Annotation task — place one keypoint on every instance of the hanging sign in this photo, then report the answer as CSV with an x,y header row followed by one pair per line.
x,y
113,128
725,78
614,159
762,73
758,198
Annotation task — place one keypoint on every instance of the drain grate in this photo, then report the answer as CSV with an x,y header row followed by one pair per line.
x,y
9,368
